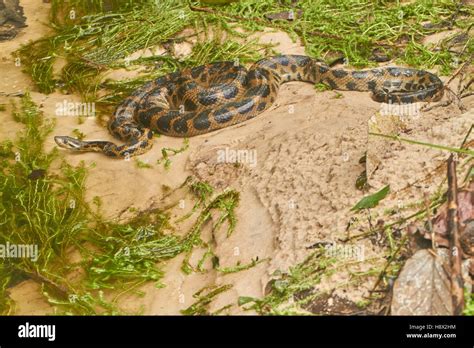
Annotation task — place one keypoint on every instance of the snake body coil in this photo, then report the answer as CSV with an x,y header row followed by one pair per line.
x,y
214,96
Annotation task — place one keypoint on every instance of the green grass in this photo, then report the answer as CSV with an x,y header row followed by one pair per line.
x,y
285,286
45,207
203,298
469,310
102,34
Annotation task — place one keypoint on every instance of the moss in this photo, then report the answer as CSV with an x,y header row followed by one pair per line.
x,y
47,209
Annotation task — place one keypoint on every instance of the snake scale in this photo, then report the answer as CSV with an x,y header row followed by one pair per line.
x,y
206,98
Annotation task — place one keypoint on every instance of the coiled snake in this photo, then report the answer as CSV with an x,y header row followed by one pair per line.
x,y
210,97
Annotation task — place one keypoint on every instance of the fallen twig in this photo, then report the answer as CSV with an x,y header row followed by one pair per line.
x,y
457,284
389,262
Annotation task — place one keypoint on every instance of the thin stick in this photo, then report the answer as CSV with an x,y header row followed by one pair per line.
x,y
389,262
62,290
457,284
441,147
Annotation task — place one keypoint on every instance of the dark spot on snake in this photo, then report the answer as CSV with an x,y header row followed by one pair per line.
x,y
302,60
377,72
174,75
181,92
180,81
261,106
331,83
157,81
299,77
205,98
144,118
242,79
144,144
191,85
230,76
180,126
422,80
323,69
230,92
283,60
204,78
253,75
391,85
150,134
359,74
163,123
409,86
189,105
339,73
263,91
222,115
394,71
434,79
407,72
293,68
201,121
371,85
351,86
216,67
195,72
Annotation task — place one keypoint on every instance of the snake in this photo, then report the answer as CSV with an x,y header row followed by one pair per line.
x,y
205,98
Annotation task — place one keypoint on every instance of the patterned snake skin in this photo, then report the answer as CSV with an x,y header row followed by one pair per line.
x,y
206,98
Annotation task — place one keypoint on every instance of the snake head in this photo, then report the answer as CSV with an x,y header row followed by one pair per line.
x,y
69,143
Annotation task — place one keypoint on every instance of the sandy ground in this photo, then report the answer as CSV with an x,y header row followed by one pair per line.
x,y
295,192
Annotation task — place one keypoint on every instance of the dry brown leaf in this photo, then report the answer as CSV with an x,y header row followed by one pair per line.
x,y
423,287
439,223
287,15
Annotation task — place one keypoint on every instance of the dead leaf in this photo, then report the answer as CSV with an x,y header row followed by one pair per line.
x,y
287,15
439,222
423,287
